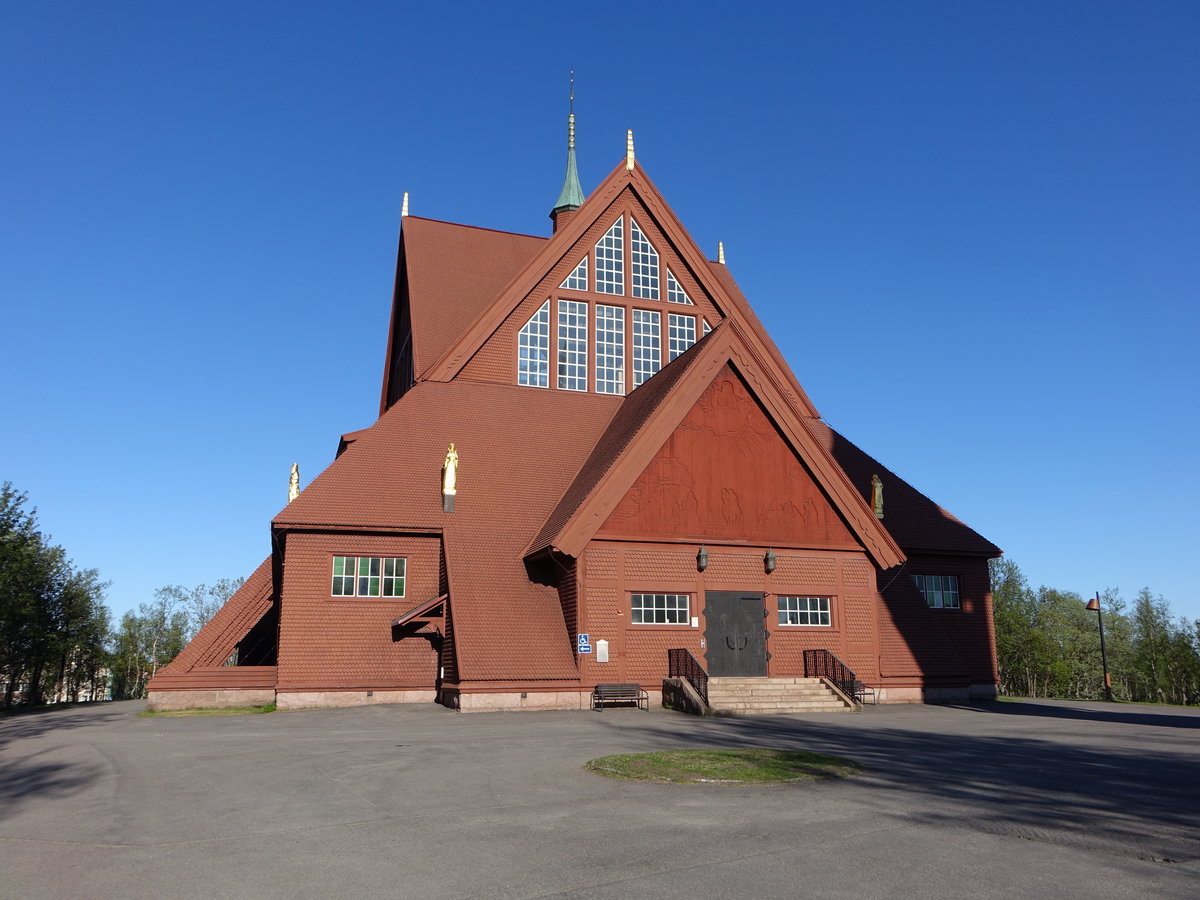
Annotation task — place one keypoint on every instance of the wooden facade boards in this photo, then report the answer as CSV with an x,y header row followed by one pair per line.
x,y
574,509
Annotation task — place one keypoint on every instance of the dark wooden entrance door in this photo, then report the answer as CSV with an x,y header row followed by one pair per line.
x,y
735,634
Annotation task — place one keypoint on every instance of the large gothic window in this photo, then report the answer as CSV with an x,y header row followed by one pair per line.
x,y
533,349
644,260
681,334
572,345
675,292
647,344
577,280
610,349
617,341
610,260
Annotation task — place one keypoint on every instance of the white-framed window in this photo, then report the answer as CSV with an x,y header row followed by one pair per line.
x,y
647,344
572,345
610,349
369,576
939,591
577,280
610,260
707,327
675,291
681,334
659,609
804,611
533,349
644,260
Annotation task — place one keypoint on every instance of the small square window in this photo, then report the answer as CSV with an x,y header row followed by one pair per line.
x,y
804,611
939,591
368,576
659,609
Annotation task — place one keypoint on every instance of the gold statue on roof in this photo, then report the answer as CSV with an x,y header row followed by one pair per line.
x,y
877,496
450,471
294,483
449,479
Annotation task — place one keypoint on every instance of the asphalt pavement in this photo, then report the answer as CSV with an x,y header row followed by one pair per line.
x,y
990,800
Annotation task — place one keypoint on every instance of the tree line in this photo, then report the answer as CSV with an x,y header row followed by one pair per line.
x,y
58,643
1048,644
57,640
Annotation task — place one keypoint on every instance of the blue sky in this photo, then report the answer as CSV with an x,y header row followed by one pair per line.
x,y
972,229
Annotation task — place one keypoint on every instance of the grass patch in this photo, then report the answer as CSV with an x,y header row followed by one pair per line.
x,y
208,711
756,766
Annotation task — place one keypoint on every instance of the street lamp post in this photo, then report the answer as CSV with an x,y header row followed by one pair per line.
x,y
1094,603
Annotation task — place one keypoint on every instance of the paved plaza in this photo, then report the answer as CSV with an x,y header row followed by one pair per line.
x,y
992,800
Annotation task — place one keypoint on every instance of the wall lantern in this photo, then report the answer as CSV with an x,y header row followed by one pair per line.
x,y
769,561
701,559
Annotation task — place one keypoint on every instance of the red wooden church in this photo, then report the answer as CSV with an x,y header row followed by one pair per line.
x,y
589,454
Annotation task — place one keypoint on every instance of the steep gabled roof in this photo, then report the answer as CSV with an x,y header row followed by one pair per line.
x,y
516,443
713,277
917,523
638,431
218,638
519,448
454,272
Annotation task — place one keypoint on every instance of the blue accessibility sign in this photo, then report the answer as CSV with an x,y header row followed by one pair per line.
x,y
584,644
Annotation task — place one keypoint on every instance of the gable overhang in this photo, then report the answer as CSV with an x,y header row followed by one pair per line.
x,y
727,344
728,299
398,288
419,611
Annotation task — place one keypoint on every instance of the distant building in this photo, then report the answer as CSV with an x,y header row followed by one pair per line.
x,y
633,463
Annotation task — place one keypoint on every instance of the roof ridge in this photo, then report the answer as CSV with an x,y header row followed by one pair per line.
x,y
538,237
910,541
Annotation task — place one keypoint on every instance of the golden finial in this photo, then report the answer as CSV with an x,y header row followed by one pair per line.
x,y
404,206
294,483
721,252
629,150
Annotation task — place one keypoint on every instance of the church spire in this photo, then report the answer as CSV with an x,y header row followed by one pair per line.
x,y
571,197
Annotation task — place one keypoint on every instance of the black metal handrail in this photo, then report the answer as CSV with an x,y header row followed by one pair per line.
x,y
681,664
823,664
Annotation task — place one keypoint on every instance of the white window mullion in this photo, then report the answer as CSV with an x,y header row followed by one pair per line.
x,y
647,344
533,349
643,263
610,349
610,260
675,291
681,334
578,279
572,345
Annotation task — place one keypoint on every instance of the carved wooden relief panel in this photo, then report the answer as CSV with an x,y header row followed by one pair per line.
x,y
726,472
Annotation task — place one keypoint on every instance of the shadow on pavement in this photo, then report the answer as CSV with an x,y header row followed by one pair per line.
x,y
36,778
30,723
1144,804
1116,714
29,779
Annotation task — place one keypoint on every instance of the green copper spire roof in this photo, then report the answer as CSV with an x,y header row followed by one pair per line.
x,y
571,196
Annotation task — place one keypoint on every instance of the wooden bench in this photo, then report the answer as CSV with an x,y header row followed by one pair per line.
x,y
862,690
620,693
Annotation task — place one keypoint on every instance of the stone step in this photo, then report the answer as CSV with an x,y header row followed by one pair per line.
x,y
749,696
740,679
807,699
765,689
768,689
749,709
